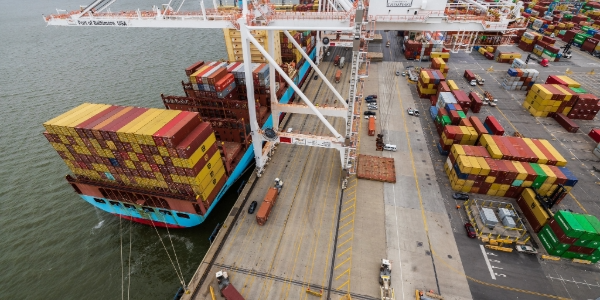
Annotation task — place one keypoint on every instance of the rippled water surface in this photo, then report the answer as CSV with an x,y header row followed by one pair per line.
x,y
54,245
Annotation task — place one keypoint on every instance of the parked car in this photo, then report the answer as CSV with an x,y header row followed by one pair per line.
x,y
460,196
410,111
397,73
403,73
470,230
372,96
416,113
369,113
525,249
371,100
252,207
372,107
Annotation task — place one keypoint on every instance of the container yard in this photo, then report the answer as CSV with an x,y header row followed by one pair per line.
x,y
487,174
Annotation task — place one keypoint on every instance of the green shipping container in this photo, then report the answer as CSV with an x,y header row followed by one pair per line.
x,y
593,258
592,244
590,233
596,224
578,90
568,223
462,115
569,254
545,242
553,239
446,120
541,175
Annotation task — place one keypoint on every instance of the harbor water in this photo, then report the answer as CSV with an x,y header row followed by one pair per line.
x,y
54,244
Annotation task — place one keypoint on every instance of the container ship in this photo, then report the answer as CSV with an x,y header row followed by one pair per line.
x,y
171,167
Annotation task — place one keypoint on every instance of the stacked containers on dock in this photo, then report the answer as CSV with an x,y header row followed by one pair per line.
x,y
445,56
543,100
519,79
476,102
428,82
585,108
507,57
528,41
474,169
572,236
439,64
462,99
533,210
152,149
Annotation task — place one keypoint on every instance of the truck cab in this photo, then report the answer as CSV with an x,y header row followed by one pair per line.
x,y
473,82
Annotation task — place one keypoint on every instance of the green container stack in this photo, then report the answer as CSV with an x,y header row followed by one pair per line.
x,y
572,235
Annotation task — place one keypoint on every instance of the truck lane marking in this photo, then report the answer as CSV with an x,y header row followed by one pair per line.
x,y
487,262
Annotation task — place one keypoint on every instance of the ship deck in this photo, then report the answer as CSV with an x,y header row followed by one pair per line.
x,y
332,240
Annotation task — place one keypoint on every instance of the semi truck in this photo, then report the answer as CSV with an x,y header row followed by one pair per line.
x,y
269,201
336,60
473,78
228,291
371,126
385,280
338,76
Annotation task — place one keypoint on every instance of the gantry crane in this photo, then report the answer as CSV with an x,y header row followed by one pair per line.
x,y
357,19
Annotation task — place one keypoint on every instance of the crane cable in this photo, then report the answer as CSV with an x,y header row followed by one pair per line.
x,y
129,264
179,276
122,266
173,247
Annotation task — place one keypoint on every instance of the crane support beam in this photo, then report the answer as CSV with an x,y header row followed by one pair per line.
x,y
315,68
303,109
274,64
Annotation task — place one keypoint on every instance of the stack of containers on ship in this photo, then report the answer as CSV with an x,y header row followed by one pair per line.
x,y
505,166
149,157
569,235
414,48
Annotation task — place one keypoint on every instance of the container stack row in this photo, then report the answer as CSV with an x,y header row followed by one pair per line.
x,y
445,56
544,99
153,149
472,169
522,149
561,94
428,82
507,57
487,52
519,79
571,235
439,64
414,49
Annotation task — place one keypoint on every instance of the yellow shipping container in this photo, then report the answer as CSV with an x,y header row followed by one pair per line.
x,y
130,133
122,133
570,82
561,161
79,117
522,171
485,168
195,74
482,50
464,164
452,85
213,164
540,155
551,176
475,167
500,193
49,125
144,134
492,192
539,213
424,76
457,150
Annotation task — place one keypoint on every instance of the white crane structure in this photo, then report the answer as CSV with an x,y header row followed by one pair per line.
x,y
356,20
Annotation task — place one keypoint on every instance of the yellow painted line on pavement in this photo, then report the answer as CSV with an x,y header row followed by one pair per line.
x,y
340,264
577,201
343,284
349,207
349,239
350,248
348,223
338,277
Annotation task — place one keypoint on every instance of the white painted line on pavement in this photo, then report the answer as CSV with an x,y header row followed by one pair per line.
x,y
398,238
487,262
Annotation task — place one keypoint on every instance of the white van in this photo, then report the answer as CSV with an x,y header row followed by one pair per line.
x,y
290,130
389,147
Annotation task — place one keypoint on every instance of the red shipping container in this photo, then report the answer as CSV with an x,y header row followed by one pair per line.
x,y
551,160
174,135
566,123
197,136
595,135
494,125
193,68
157,136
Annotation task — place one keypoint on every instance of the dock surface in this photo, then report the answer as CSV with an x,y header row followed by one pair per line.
x,y
331,241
